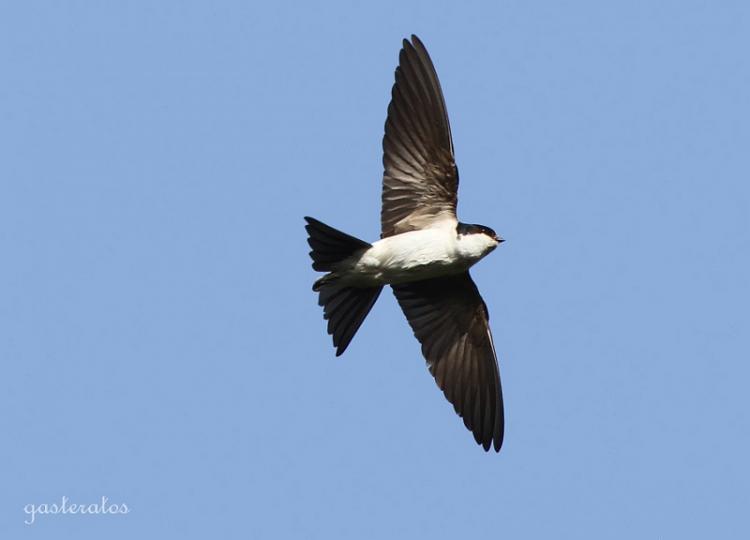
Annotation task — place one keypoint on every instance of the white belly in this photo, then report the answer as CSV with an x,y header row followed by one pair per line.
x,y
410,256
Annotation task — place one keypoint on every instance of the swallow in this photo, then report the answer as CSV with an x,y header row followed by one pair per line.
x,y
424,254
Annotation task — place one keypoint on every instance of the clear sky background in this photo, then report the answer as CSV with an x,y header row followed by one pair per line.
x,y
159,341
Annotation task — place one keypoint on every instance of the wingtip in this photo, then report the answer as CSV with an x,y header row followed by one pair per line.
x,y
406,46
413,44
492,444
499,433
341,347
497,443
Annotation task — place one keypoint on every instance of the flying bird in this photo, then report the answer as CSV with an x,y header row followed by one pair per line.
x,y
424,254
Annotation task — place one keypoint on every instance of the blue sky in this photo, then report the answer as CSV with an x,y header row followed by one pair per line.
x,y
160,344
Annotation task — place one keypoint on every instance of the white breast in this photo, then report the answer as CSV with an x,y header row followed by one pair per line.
x,y
417,255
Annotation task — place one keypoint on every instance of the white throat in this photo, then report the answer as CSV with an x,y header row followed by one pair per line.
x,y
475,246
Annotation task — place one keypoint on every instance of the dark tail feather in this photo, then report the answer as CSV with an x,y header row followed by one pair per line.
x,y
329,245
343,307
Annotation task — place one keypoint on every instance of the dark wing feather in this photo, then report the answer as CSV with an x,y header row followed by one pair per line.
x,y
420,180
450,320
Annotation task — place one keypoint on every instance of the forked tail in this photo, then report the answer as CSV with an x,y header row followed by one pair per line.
x,y
343,307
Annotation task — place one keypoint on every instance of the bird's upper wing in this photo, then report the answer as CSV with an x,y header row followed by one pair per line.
x,y
420,180
450,320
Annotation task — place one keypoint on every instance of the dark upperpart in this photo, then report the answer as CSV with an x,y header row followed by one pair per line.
x,y
469,228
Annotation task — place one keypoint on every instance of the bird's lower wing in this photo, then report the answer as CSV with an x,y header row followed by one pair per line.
x,y
450,320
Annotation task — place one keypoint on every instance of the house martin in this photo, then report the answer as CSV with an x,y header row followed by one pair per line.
x,y
424,254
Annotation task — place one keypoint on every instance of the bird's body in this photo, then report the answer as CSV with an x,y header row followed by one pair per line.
x,y
413,256
424,254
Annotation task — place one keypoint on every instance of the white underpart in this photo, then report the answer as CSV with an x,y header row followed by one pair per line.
x,y
416,255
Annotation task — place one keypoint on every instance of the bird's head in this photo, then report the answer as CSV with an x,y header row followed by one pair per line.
x,y
489,232
482,238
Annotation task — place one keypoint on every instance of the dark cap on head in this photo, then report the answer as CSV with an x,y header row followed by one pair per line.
x,y
466,228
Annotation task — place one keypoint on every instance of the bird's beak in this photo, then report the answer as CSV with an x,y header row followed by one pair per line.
x,y
499,239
